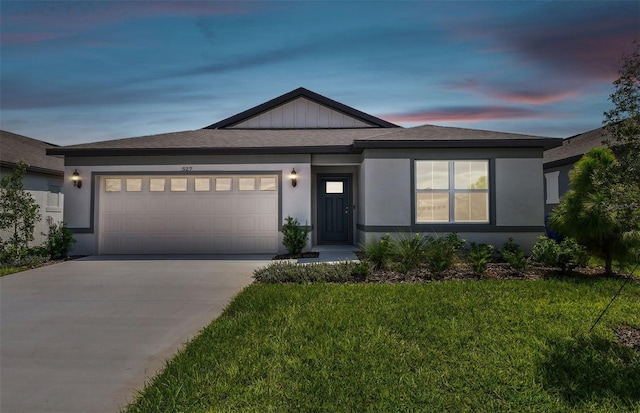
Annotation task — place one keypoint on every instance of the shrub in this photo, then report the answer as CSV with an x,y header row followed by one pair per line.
x,y
441,252
410,252
546,251
512,254
479,256
362,270
379,251
289,272
566,255
59,241
295,235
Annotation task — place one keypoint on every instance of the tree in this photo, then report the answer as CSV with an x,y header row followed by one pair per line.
x,y
19,212
621,182
586,212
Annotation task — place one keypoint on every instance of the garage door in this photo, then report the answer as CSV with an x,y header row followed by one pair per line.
x,y
210,214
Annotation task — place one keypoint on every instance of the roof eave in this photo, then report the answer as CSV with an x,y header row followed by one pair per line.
x,y
334,149
459,143
35,169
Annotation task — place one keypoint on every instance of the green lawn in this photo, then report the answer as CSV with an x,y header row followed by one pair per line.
x,y
469,346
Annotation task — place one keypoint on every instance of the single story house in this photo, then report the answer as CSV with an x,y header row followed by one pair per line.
x,y
558,161
43,179
228,187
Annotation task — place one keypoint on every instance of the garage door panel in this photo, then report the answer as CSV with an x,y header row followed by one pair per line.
x,y
213,219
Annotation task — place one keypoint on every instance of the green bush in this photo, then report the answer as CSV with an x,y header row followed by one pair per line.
x,y
59,241
295,235
410,252
479,256
566,255
511,253
546,251
379,251
362,270
442,252
289,272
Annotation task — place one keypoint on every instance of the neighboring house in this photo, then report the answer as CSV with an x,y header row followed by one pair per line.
x,y
558,161
44,177
227,188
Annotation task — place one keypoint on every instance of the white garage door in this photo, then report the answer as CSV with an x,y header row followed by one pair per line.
x,y
209,214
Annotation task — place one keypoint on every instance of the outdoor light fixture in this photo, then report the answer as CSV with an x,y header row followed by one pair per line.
x,y
294,177
75,177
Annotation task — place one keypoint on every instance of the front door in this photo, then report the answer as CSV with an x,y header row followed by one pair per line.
x,y
334,209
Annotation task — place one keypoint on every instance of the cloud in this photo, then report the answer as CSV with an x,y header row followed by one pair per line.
x,y
535,92
33,22
466,114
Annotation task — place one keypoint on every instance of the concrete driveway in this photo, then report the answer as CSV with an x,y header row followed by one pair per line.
x,y
81,336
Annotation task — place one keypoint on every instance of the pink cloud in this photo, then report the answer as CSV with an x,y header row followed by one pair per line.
x,y
465,114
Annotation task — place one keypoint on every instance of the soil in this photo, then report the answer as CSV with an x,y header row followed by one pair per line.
x,y
296,256
628,336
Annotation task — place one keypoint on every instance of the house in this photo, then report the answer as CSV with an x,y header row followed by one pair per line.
x,y
44,177
228,187
558,161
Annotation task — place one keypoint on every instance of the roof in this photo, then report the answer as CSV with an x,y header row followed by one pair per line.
x,y
295,94
574,147
15,148
223,138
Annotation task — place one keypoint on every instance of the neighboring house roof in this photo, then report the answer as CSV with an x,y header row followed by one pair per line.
x,y
574,147
15,148
224,138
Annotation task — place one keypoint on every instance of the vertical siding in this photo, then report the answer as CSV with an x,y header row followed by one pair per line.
x,y
302,113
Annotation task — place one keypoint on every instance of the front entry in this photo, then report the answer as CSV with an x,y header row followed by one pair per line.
x,y
334,209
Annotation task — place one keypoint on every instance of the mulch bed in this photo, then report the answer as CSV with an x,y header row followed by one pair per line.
x,y
294,256
628,336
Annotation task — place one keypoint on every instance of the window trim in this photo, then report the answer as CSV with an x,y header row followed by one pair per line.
x,y
451,224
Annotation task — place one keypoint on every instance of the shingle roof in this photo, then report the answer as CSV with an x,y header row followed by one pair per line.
x,y
15,148
574,147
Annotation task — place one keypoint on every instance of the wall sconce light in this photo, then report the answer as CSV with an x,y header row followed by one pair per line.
x,y
75,177
294,177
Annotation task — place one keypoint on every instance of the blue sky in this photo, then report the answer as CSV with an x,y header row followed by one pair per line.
x,y
81,71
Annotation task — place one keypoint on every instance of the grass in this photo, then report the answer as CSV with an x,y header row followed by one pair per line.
x,y
11,270
452,347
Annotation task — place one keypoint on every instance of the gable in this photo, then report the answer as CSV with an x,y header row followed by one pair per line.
x,y
301,113
302,109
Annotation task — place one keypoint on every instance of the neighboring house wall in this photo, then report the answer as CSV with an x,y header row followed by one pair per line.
x,y
555,178
47,192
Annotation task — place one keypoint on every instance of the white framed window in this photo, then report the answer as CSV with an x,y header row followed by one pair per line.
x,y
134,184
113,185
223,184
268,184
54,198
247,184
178,184
553,187
202,185
157,184
452,191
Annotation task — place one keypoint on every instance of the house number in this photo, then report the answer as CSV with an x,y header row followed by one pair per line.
x,y
187,168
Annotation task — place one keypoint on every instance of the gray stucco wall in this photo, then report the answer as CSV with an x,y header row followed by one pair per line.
x,y
387,188
519,192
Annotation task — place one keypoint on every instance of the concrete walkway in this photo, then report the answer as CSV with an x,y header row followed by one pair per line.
x,y
82,335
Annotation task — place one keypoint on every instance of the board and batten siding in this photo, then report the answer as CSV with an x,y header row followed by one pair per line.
x,y
301,113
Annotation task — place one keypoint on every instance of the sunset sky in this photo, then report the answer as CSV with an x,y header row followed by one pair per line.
x,y
81,71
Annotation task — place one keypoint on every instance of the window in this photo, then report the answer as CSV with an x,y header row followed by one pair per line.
x,y
113,185
334,187
452,191
202,184
553,188
156,184
178,184
134,185
54,198
247,184
223,184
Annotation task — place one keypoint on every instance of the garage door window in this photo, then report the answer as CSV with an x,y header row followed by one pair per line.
x,y
203,185
178,184
267,184
223,184
112,185
156,184
247,184
134,185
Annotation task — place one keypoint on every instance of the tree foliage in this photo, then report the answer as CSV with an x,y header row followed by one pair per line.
x,y
19,212
587,212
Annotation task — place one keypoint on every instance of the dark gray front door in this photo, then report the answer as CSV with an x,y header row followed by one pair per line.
x,y
334,209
